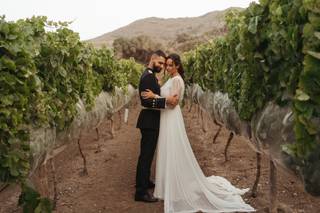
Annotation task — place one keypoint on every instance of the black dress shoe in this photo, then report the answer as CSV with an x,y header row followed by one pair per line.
x,y
151,185
145,198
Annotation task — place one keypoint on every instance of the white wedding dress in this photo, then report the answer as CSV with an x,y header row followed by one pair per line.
x,y
179,180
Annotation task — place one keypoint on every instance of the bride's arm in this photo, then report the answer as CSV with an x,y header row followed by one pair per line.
x,y
149,94
176,87
171,101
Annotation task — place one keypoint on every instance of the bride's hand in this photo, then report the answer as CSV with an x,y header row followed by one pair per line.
x,y
147,94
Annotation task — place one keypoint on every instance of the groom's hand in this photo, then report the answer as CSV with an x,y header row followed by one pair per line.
x,y
172,101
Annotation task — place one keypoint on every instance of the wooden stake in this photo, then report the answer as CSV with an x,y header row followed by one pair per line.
x,y
84,171
227,146
255,185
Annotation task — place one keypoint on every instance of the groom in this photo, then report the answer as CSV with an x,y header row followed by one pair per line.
x,y
148,123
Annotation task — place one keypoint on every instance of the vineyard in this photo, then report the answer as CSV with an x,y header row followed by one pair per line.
x,y
47,74
268,62
261,80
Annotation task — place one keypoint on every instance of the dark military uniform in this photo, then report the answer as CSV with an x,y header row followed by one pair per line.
x,y
148,123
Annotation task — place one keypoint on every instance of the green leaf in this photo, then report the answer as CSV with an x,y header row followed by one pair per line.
x,y
8,63
7,100
278,11
290,149
253,25
301,96
28,199
45,206
308,30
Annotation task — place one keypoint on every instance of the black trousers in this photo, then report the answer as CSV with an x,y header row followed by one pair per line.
x,y
149,138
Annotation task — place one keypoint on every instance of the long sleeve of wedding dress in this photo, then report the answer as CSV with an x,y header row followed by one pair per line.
x,y
177,87
180,181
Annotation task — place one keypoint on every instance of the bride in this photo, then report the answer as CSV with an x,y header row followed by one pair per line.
x,y
179,180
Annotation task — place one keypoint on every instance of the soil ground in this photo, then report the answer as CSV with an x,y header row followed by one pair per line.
x,y
111,163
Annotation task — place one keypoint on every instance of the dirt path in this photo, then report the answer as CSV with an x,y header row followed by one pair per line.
x,y
109,186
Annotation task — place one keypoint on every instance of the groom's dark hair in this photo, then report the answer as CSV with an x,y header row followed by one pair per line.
x,y
159,53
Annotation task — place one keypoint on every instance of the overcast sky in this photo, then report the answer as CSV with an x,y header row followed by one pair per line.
x,y
93,18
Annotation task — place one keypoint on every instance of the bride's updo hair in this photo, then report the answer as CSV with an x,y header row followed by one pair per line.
x,y
177,61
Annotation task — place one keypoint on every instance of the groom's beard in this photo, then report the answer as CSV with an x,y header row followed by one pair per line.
x,y
156,69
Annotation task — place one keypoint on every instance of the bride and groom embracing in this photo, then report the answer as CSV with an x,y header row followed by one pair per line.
x,y
179,180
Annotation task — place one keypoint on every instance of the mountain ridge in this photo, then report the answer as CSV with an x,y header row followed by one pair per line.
x,y
202,27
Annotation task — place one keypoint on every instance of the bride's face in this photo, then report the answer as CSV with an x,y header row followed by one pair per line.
x,y
171,67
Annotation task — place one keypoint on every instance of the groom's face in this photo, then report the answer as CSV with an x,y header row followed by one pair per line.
x,y
158,63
